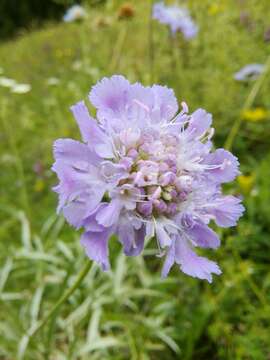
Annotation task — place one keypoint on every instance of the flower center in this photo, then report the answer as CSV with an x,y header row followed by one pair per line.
x,y
158,185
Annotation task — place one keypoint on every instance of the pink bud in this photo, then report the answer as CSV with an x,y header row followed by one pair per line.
x,y
172,208
132,153
160,205
145,208
167,178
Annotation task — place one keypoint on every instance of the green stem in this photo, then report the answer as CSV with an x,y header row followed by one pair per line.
x,y
117,51
82,274
177,55
151,45
248,103
52,322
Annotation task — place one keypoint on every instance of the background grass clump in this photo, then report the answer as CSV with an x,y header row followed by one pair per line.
x,y
130,313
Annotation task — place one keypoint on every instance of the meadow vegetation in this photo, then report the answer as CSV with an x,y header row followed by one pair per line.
x,y
130,312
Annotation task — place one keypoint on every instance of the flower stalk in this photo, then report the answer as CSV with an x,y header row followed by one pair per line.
x,y
82,274
151,47
118,49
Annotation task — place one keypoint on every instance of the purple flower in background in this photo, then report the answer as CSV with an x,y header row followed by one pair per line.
x,y
75,12
249,72
177,18
145,170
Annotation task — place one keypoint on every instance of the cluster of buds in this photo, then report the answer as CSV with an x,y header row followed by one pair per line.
x,y
151,161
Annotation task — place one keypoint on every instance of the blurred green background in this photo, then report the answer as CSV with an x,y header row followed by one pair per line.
x,y
129,312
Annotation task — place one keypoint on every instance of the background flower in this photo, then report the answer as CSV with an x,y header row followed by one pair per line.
x,y
255,115
74,13
177,18
20,88
126,11
249,72
6,82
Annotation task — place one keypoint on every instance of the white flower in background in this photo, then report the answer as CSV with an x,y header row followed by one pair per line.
x,y
14,86
75,12
53,81
7,82
249,72
20,88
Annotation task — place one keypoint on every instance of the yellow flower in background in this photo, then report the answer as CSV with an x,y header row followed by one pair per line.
x,y
246,182
255,115
39,185
214,9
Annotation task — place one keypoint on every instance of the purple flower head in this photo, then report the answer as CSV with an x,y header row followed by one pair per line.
x,y
144,170
177,18
249,72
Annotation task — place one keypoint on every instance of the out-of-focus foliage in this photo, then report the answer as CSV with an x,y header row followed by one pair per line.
x,y
130,313
16,15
